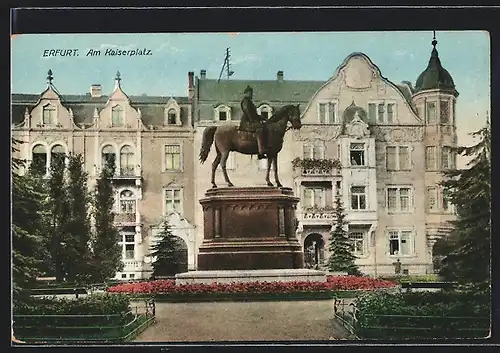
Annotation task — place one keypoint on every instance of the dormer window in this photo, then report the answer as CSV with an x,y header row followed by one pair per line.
x,y
222,113
117,116
49,115
172,113
172,117
265,111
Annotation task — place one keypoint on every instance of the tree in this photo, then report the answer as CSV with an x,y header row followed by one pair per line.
x,y
468,246
27,230
341,257
107,253
60,241
166,253
78,224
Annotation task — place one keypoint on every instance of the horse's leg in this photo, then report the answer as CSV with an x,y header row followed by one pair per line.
x,y
223,161
275,168
215,164
269,162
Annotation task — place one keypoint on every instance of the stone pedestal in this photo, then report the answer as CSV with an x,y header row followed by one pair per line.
x,y
249,229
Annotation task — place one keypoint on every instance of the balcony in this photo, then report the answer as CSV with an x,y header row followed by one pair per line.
x,y
317,215
130,265
126,218
316,167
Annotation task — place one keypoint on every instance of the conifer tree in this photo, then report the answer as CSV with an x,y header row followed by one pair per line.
x,y
341,257
28,210
166,253
107,253
467,257
78,243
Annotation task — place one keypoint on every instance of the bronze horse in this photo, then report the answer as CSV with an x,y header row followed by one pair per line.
x,y
229,138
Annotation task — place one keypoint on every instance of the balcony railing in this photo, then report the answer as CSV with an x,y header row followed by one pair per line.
x,y
326,213
127,172
125,217
316,167
132,264
317,171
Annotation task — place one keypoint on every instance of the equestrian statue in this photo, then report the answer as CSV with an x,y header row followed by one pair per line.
x,y
254,135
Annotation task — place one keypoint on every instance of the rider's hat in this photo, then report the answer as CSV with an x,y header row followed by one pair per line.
x,y
248,89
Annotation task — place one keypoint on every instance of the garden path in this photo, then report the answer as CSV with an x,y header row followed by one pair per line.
x,y
244,321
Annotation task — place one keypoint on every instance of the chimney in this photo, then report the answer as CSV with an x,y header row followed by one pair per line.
x,y
96,91
190,85
279,76
203,74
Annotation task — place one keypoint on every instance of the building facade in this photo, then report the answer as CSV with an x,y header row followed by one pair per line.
x,y
381,146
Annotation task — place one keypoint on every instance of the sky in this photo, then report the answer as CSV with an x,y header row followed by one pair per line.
x,y
401,56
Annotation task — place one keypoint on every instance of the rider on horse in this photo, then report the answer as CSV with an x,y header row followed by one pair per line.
x,y
253,122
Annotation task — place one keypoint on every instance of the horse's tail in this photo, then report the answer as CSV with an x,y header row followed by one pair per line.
x,y
206,142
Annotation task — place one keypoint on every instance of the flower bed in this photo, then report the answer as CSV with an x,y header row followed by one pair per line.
x,y
334,286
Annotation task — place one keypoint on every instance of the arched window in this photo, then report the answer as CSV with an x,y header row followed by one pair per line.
x,y
265,111
39,160
108,154
172,117
49,115
117,116
127,161
57,154
127,202
222,113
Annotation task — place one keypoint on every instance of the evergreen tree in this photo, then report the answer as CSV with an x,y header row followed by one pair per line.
x,y
341,257
107,253
78,225
468,246
27,230
60,241
166,253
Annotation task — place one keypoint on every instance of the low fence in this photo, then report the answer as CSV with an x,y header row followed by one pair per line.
x,y
109,328
397,327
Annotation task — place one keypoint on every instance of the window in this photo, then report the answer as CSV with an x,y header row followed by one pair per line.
x,y
380,112
127,202
314,151
357,154
357,239
444,112
314,197
265,111
172,157
172,117
390,112
372,111
49,115
39,160
173,200
338,186
430,158
124,275
127,161
447,158
131,276
399,199
107,155
358,198
117,116
431,112
400,243
222,113
453,118
129,251
127,241
327,113
57,154
447,205
432,198
398,158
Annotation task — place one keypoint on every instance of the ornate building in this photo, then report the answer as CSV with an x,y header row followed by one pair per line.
x,y
392,141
